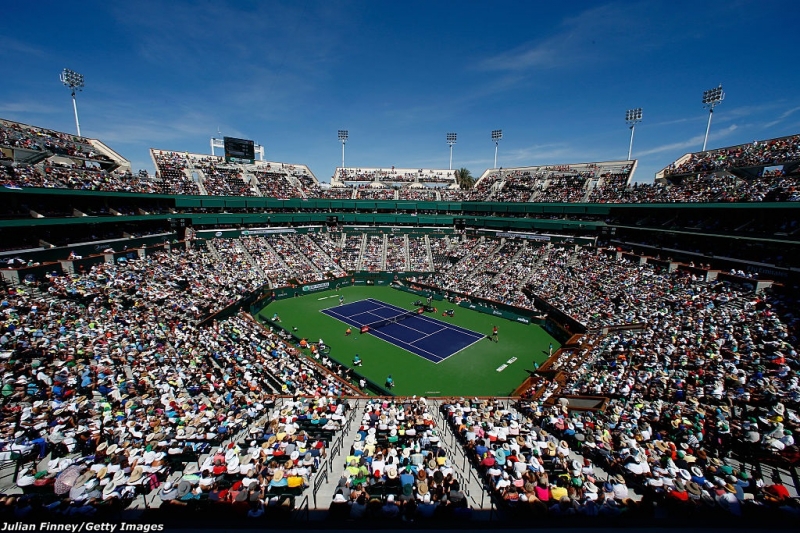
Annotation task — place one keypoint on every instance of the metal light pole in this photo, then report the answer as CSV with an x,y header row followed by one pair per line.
x,y
451,140
632,117
74,81
496,136
343,135
711,99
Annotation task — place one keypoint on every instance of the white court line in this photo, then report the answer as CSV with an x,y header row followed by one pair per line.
x,y
465,331
452,354
402,342
331,311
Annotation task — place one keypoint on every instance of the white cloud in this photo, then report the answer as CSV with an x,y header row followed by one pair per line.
x,y
783,116
573,42
27,108
694,144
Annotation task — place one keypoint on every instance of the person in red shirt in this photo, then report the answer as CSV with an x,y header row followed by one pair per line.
x,y
678,492
777,492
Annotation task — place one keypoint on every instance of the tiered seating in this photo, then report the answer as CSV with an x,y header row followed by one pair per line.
x,y
299,268
323,251
506,287
232,253
170,168
369,193
418,194
333,193
275,185
460,276
418,255
562,189
441,258
372,259
756,154
398,469
267,259
396,253
63,177
395,177
351,251
612,185
17,135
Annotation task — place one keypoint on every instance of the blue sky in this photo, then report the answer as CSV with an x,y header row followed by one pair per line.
x,y
556,78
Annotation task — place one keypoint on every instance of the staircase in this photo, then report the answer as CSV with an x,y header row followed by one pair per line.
x,y
269,247
542,258
299,254
213,251
250,259
383,252
510,263
253,181
429,252
361,251
201,177
406,254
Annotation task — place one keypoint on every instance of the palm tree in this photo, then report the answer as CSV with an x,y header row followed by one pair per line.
x,y
464,178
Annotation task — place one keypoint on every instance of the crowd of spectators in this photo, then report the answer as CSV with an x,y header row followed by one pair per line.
x,y
397,469
373,254
394,176
267,259
298,264
276,185
467,275
332,193
319,254
701,178
371,193
755,154
562,189
351,251
418,255
16,135
440,252
171,168
234,256
323,251
419,194
634,461
220,179
396,253
77,178
108,371
108,375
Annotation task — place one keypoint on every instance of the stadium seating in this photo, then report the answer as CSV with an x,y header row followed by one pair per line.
x,y
675,395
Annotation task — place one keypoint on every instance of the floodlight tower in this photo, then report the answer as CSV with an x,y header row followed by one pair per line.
x,y
632,117
451,140
496,136
711,99
343,135
74,81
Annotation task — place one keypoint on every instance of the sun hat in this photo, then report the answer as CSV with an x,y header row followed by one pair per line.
x,y
169,491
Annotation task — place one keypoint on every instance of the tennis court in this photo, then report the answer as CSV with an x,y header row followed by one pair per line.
x,y
419,334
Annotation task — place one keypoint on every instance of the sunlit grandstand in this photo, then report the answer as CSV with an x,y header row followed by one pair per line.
x,y
238,341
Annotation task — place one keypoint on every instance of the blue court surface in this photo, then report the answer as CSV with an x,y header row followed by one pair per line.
x,y
419,334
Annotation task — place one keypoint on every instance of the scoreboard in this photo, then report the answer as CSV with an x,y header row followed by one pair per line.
x,y
239,150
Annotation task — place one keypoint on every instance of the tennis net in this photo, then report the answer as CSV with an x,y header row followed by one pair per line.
x,y
392,320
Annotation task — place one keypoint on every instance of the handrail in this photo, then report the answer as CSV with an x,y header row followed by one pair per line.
x,y
322,476
480,483
334,452
302,509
